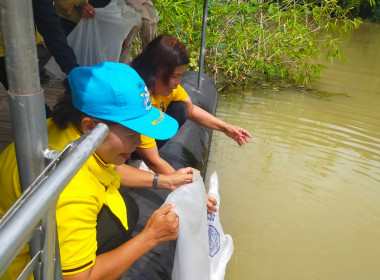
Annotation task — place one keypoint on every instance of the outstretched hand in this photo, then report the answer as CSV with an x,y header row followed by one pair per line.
x,y
176,179
240,135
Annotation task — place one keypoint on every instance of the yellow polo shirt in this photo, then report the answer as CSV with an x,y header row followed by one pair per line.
x,y
162,102
9,192
95,184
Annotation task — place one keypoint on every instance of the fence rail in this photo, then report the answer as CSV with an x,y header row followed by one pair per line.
x,y
34,211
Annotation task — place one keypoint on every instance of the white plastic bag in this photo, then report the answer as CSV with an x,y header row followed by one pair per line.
x,y
203,250
220,245
191,260
99,39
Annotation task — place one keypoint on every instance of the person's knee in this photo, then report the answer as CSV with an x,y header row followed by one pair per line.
x,y
178,111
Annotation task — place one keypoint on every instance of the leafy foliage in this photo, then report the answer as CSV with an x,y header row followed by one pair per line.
x,y
252,41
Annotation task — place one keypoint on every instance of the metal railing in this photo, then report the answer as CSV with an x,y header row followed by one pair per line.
x,y
34,211
203,42
32,217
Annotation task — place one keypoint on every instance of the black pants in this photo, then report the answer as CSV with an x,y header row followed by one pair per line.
x,y
3,73
110,233
178,111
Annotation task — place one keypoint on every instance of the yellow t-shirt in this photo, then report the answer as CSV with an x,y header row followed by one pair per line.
x,y
162,102
95,184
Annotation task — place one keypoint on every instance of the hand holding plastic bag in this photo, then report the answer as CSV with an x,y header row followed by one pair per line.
x,y
100,38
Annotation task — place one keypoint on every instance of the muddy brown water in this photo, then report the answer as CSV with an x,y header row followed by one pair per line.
x,y
302,199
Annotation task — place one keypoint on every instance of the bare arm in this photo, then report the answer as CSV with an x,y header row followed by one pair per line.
x,y
136,178
153,160
161,227
204,118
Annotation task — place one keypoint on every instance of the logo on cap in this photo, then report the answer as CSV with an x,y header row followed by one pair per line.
x,y
146,99
160,119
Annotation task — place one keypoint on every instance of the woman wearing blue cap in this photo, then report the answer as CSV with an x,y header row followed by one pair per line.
x,y
161,66
94,221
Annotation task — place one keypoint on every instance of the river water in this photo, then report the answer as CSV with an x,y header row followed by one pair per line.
x,y
302,199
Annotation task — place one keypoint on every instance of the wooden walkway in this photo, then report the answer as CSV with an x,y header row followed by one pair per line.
x,y
52,91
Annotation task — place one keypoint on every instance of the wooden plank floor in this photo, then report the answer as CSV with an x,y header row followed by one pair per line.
x,y
52,91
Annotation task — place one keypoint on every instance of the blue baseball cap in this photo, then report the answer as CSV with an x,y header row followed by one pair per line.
x,y
115,92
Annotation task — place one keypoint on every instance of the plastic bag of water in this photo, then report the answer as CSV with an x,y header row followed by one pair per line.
x,y
191,259
100,38
203,249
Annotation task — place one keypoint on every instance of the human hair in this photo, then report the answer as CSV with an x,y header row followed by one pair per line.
x,y
64,111
159,59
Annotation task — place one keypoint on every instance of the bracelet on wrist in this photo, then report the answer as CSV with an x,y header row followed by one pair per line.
x,y
155,181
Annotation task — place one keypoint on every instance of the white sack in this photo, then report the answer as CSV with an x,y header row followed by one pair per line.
x,y
220,245
191,260
203,250
99,39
